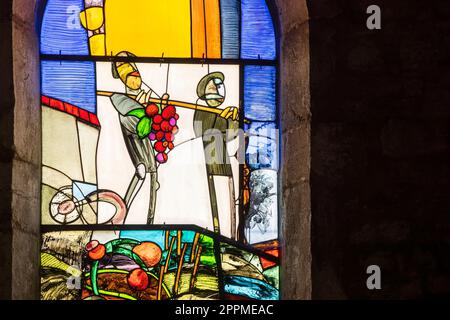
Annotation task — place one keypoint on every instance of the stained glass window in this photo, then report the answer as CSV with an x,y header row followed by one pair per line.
x,y
159,150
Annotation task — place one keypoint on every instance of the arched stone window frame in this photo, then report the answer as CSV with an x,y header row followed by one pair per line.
x,y
22,225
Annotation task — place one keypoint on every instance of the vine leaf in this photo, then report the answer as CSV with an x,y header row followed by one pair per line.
x,y
144,127
138,113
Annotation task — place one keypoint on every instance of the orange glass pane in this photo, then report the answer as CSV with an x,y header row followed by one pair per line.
x,y
213,39
198,29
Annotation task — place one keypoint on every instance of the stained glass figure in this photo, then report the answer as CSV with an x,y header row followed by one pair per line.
x,y
160,150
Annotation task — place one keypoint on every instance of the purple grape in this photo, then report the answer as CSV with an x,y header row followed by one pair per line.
x,y
161,157
173,122
152,136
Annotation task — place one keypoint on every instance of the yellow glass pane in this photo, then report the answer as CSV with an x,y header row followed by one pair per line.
x,y
97,45
148,27
92,18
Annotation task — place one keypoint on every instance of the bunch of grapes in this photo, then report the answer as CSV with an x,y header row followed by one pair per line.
x,y
164,128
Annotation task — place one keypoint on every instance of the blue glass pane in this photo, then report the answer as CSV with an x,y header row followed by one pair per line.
x,y
70,81
61,28
157,236
249,287
262,148
260,93
258,35
230,14
81,189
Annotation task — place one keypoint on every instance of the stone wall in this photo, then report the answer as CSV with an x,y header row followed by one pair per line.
x,y
20,152
6,151
26,176
295,155
380,148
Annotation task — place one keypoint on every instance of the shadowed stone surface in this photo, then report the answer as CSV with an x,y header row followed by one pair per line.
x,y
6,150
20,156
295,157
380,149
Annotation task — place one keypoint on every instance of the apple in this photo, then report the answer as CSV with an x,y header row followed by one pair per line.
x,y
149,252
138,279
96,251
151,110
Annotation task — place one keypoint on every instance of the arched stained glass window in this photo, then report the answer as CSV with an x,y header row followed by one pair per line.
x,y
160,150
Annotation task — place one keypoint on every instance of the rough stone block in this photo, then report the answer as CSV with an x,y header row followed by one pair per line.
x,y
25,265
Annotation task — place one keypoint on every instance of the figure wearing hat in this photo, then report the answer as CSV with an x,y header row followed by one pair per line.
x,y
211,89
140,150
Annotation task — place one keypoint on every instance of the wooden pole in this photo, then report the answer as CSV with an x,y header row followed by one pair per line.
x,y
180,267
166,266
194,246
194,273
179,236
164,269
166,239
160,283
175,103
